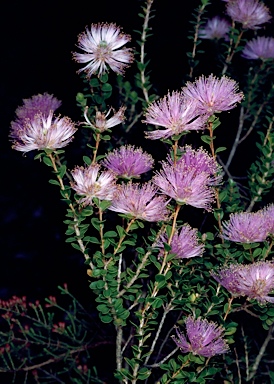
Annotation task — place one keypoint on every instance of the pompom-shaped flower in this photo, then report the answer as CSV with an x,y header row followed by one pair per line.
x,y
184,243
215,28
103,122
175,113
254,280
212,94
128,161
37,104
250,13
90,184
140,202
185,184
259,48
101,44
204,338
245,227
202,161
44,132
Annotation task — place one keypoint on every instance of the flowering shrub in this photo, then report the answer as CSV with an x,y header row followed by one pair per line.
x,y
177,260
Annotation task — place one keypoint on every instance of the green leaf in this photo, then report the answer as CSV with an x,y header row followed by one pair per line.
x,y
157,302
107,87
103,308
104,78
55,182
91,239
110,234
220,149
105,318
62,171
206,139
120,231
94,83
87,160
47,161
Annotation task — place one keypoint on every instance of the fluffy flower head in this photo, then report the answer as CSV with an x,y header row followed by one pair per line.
x,y
212,94
102,49
43,132
90,184
202,161
140,202
250,13
184,243
246,227
202,338
185,184
259,48
128,162
37,104
175,113
215,28
255,280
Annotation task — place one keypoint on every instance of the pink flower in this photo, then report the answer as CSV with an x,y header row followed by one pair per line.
x,y
269,218
184,243
90,184
185,184
212,94
43,104
255,280
128,162
215,28
175,113
250,13
102,123
43,132
140,202
245,227
259,48
202,161
101,46
204,338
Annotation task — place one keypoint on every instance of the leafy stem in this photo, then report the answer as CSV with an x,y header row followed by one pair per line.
x,y
75,217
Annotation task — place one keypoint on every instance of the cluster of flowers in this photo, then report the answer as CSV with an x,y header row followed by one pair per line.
x,y
251,14
189,178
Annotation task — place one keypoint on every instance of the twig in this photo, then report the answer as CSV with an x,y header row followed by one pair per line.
x,y
259,357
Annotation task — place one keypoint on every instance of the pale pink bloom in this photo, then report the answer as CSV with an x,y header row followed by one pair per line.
x,y
215,28
255,280
212,94
44,132
185,184
245,227
174,113
250,13
184,243
37,104
101,45
88,182
269,218
140,202
102,121
259,48
128,162
202,161
203,337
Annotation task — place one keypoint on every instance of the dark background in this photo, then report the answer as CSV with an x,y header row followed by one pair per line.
x,y
37,38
